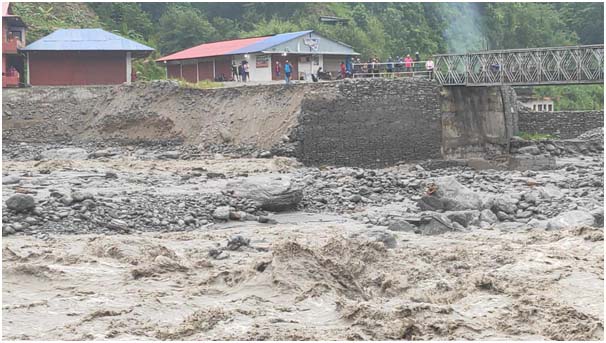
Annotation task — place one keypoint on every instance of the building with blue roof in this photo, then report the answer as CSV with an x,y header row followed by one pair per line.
x,y
306,51
82,57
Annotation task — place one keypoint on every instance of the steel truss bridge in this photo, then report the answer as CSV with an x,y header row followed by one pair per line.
x,y
541,66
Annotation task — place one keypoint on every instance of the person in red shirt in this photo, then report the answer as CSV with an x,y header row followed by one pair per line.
x,y
343,70
278,68
408,63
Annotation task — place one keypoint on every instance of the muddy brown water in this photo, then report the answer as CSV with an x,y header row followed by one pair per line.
x,y
308,277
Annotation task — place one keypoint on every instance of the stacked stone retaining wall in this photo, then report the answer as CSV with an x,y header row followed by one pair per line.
x,y
371,123
561,124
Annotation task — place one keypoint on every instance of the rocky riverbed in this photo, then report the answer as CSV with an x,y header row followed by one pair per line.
x,y
260,247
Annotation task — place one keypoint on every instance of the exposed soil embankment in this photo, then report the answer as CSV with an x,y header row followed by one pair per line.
x,y
157,111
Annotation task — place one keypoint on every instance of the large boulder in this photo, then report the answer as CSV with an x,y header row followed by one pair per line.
x,y
269,193
450,195
65,154
571,219
21,202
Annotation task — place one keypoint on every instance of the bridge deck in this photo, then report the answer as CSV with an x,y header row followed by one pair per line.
x,y
541,66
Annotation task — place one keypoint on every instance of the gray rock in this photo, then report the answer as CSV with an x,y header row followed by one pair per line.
x,y
235,242
488,216
532,197
10,180
571,219
222,212
168,155
502,216
401,225
434,224
102,153
65,154
464,218
598,215
66,200
268,193
7,230
502,204
551,192
450,196
532,150
355,198
111,175
21,202
388,239
117,224
79,196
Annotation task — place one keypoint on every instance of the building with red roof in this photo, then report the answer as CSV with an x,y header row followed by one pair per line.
x,y
13,38
306,51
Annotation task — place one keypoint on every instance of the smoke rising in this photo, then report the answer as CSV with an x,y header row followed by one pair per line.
x,y
463,32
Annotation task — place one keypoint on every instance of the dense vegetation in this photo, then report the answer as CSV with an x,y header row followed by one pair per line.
x,y
373,29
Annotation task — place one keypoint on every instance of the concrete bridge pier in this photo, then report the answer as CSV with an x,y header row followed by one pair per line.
x,y
478,122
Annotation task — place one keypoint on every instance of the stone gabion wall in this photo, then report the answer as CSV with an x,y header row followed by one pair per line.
x,y
562,124
370,123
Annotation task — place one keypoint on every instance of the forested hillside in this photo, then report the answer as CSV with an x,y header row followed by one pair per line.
x,y
381,29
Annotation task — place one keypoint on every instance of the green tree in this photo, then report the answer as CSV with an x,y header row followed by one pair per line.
x,y
586,19
126,18
525,25
180,28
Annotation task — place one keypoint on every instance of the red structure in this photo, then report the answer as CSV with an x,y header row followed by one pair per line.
x,y
70,57
13,38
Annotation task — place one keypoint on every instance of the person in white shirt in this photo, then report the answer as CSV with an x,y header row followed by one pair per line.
x,y
429,67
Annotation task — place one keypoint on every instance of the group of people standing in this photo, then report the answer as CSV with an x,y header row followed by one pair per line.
x,y
240,71
398,65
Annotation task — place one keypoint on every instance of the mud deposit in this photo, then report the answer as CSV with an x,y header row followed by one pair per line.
x,y
320,280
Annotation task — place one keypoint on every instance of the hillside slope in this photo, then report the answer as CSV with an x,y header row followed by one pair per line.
x,y
43,18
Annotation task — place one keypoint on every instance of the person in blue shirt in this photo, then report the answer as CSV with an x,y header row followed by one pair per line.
x,y
287,71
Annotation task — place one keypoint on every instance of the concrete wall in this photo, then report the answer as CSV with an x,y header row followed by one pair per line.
x,y
562,124
372,123
477,122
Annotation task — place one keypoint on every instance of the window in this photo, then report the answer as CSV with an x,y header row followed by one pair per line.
x,y
550,108
316,60
534,107
540,108
14,35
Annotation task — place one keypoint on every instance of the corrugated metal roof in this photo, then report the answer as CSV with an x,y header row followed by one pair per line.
x,y
233,47
270,41
212,49
85,40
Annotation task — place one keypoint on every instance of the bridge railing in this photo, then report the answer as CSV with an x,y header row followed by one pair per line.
x,y
561,65
391,70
